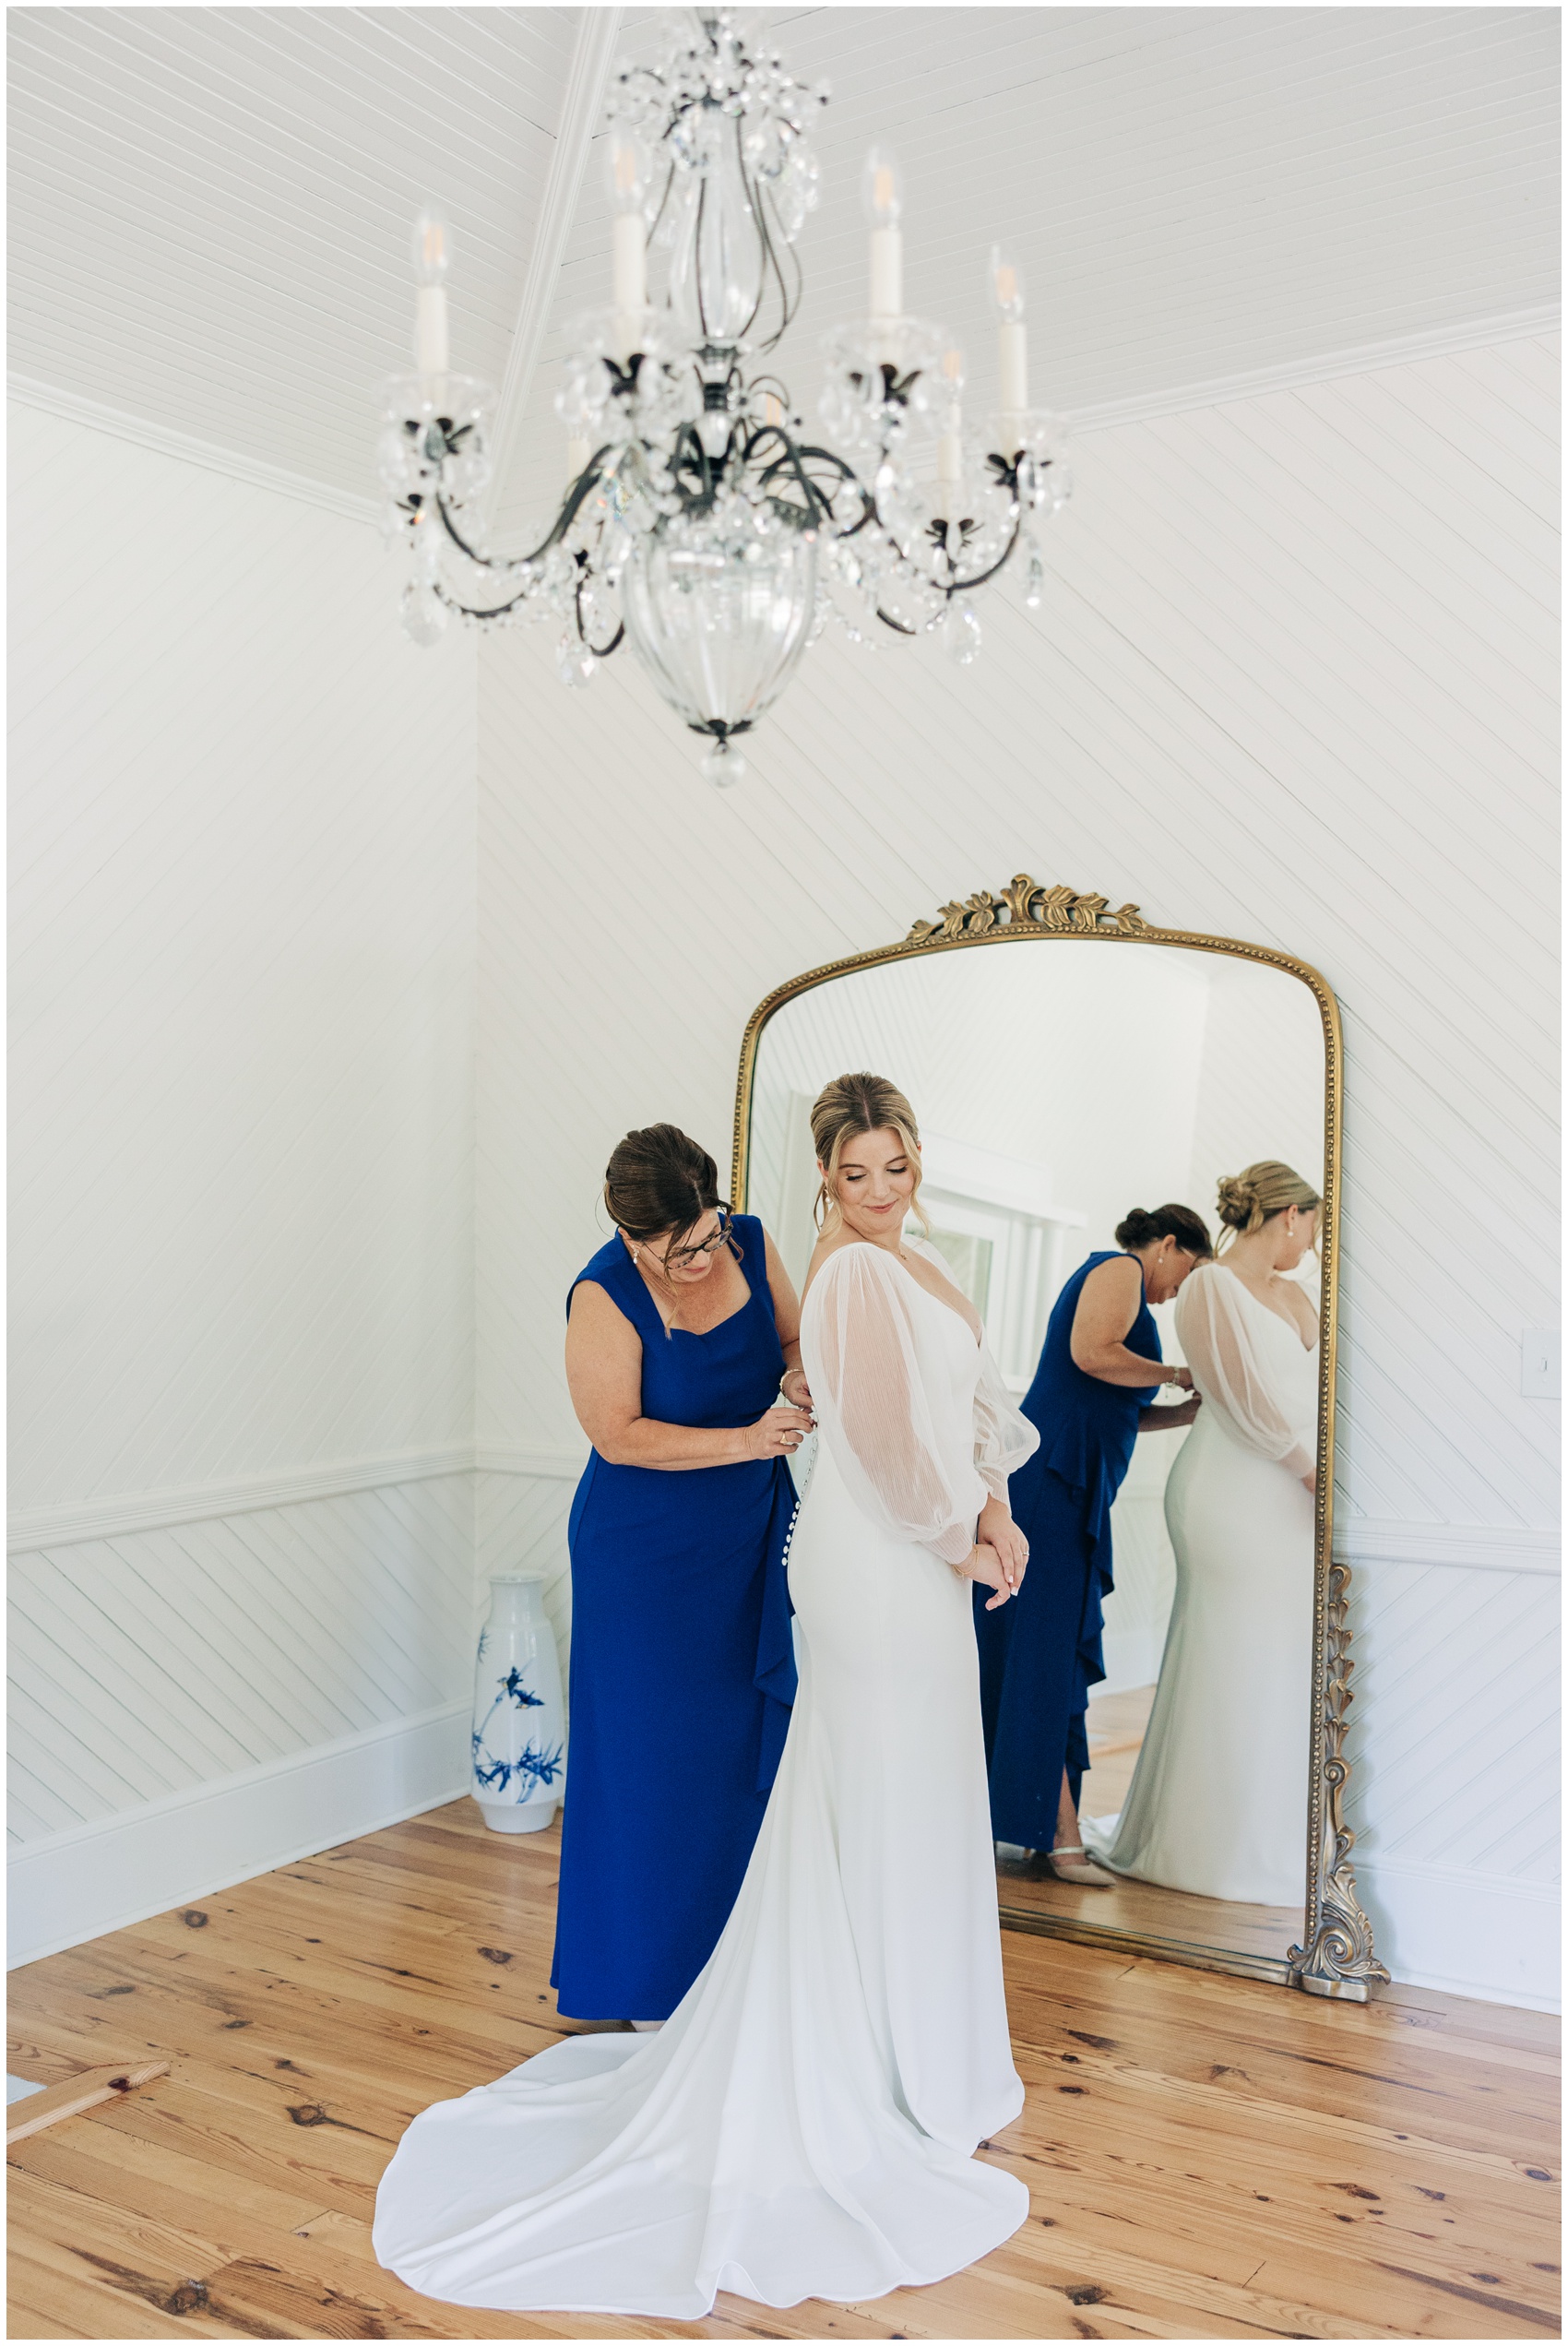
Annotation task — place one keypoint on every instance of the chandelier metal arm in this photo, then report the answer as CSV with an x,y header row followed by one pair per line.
x,y
475,611
581,489
966,586
791,463
950,587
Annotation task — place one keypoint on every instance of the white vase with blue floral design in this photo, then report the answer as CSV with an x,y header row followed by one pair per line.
x,y
520,1734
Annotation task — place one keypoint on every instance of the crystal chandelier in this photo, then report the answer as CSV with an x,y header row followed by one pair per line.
x,y
703,524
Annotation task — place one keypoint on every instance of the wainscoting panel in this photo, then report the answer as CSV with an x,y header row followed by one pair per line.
x,y
197,1702
1457,1811
145,1665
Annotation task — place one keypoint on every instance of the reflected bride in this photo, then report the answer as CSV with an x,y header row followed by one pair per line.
x,y
1219,1795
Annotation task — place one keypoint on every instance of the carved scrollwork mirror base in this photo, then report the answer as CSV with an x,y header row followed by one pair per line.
x,y
1336,1956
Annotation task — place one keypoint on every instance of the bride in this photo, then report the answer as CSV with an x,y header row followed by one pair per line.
x,y
805,2123
1218,1803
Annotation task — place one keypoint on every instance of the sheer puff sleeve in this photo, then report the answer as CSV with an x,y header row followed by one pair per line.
x,y
876,1412
1213,1329
1003,1435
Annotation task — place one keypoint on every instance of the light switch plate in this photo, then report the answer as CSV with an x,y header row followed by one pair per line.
x,y
1540,1364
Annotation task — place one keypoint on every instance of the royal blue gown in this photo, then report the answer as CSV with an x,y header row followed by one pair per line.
x,y
682,1665
1041,1654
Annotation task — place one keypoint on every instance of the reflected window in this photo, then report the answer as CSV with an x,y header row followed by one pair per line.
x,y
969,1258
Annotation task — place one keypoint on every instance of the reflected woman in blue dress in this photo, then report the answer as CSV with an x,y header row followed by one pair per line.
x,y
1092,1394
680,1333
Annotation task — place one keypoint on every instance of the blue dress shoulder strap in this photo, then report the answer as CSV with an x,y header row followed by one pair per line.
x,y
613,1269
752,1240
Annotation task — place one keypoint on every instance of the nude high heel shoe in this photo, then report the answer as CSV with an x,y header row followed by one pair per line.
x,y
1075,1865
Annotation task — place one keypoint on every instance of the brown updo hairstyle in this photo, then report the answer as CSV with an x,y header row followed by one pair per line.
x,y
1147,1229
1250,1198
852,1104
659,1180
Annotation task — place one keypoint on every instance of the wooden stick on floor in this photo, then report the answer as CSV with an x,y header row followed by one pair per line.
x,y
77,2094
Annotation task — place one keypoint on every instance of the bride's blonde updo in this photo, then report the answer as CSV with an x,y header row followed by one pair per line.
x,y
1250,1198
852,1104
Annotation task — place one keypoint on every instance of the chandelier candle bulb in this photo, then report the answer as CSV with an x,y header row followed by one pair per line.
x,y
577,454
950,443
1007,292
1014,355
431,253
883,202
628,262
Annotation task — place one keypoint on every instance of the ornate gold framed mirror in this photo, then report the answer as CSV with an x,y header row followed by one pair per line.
x,y
1056,1090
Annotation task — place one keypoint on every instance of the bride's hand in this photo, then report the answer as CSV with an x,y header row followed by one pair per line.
x,y
778,1433
997,1530
1309,1482
983,1564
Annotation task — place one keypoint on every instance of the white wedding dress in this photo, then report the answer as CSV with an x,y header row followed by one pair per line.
x,y
803,2124
1217,1804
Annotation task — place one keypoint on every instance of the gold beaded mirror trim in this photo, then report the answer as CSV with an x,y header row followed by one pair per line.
x,y
1336,1957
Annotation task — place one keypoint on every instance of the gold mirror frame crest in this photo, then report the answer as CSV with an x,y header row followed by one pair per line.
x,y
1336,1956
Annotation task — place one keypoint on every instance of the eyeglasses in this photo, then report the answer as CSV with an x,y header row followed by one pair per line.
x,y
709,1245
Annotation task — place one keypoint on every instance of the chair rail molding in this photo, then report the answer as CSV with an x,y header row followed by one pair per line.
x,y
553,1464
75,1520
1470,1547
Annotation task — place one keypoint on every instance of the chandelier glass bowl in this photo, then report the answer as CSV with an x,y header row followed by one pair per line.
x,y
702,523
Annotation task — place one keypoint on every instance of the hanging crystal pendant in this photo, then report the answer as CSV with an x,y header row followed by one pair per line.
x,y
717,608
724,765
424,614
961,635
574,663
1034,584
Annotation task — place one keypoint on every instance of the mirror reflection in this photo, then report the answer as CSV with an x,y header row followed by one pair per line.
x,y
1123,1149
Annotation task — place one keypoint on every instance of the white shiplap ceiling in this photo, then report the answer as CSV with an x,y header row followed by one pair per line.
x,y
210,207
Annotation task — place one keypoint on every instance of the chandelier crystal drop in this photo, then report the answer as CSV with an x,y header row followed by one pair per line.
x,y
703,524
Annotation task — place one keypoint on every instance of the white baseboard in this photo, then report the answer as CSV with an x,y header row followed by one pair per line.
x,y
1465,1934
102,1877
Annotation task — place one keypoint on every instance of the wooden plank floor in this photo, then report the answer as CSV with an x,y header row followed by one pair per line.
x,y
1208,2158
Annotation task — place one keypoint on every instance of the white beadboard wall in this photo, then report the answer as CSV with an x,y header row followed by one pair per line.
x,y
1292,680
243,934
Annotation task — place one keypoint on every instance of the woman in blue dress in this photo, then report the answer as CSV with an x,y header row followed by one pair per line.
x,y
1093,1392
679,1334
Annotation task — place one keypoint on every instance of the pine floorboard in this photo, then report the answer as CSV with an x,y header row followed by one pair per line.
x,y
1207,2158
